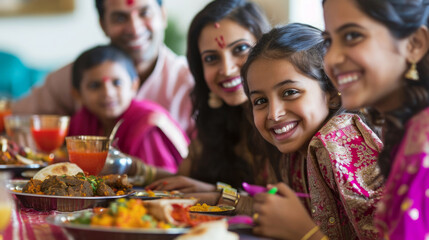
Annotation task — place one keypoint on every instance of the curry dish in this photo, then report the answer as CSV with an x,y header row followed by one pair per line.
x,y
80,185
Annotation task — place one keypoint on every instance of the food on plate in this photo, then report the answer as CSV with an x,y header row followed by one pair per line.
x,y
173,211
212,230
12,154
124,214
135,213
67,179
206,208
58,169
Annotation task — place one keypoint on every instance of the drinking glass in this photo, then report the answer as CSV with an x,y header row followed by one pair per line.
x,y
6,203
88,152
4,111
18,128
49,131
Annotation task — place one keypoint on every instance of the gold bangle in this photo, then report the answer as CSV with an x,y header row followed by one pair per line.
x,y
310,233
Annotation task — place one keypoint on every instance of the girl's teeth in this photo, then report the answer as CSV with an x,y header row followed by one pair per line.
x,y
284,129
232,83
347,79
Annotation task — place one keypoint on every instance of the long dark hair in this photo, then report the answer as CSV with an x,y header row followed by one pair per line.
x,y
221,130
402,18
302,46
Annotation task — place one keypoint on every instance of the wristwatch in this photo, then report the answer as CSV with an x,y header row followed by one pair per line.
x,y
229,197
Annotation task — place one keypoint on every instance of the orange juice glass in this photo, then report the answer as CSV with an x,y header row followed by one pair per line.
x,y
88,152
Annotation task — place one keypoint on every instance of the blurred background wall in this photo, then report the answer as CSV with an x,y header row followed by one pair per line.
x,y
45,42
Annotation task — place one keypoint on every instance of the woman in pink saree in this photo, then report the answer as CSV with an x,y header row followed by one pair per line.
x,y
377,56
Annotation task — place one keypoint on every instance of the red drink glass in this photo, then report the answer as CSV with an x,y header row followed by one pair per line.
x,y
88,152
4,111
49,131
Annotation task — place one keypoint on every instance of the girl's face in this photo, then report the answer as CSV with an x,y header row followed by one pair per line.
x,y
288,107
224,47
364,61
106,90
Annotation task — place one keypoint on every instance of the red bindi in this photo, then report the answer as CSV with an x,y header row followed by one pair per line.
x,y
130,2
217,25
220,42
105,79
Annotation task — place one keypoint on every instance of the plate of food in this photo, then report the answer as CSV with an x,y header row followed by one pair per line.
x,y
17,160
64,187
150,195
131,219
207,209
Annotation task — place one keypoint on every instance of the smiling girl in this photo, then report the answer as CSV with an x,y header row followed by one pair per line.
x,y
377,56
328,154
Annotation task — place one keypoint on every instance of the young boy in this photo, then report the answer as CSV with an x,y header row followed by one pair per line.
x,y
105,81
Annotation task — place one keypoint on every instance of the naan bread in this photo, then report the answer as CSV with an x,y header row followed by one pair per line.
x,y
58,169
214,230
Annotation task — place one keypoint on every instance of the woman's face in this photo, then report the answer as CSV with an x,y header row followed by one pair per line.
x,y
106,90
363,60
224,47
288,107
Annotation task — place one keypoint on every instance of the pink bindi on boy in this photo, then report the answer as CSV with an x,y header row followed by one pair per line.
x,y
217,25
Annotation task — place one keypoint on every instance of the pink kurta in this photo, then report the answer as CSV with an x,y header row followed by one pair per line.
x,y
403,212
340,174
169,85
147,132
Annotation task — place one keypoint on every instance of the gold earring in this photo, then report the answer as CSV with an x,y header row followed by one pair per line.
x,y
214,101
412,73
339,93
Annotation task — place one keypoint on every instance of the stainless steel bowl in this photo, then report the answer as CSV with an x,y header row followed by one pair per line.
x,y
116,163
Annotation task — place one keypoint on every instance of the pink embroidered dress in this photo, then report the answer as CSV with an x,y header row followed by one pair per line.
x,y
340,173
403,212
147,132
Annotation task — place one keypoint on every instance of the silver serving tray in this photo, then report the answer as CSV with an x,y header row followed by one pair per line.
x,y
87,232
59,203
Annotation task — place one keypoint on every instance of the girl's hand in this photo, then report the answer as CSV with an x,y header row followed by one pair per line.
x,y
281,215
182,184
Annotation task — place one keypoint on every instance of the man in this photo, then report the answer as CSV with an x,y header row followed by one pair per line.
x,y
137,27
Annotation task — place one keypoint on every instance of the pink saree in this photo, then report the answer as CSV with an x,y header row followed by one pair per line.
x,y
147,132
340,174
403,213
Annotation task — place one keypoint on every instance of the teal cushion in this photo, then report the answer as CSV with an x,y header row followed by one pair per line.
x,y
16,79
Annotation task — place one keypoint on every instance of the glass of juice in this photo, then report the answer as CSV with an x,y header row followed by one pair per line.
x,y
49,131
6,202
4,111
88,152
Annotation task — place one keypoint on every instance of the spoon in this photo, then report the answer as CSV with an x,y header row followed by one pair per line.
x,y
254,189
114,130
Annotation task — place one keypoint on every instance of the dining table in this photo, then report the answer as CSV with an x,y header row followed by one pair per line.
x,y
30,224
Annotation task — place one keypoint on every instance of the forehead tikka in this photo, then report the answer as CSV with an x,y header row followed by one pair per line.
x,y
220,41
130,2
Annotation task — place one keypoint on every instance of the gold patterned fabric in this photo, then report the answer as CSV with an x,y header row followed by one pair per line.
x,y
341,175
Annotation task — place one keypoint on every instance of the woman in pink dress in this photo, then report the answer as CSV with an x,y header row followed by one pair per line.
x,y
377,56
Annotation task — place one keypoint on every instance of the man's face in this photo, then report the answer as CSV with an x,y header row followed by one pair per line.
x,y
137,27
